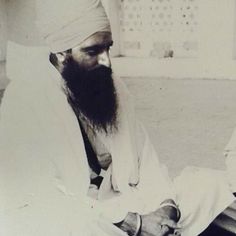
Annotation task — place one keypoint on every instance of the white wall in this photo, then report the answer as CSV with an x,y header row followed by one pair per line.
x,y
216,50
217,28
111,7
234,37
3,29
21,22
217,41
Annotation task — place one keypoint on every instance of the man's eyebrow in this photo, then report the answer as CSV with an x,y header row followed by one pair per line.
x,y
96,47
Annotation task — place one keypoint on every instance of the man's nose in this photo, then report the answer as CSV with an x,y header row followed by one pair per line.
x,y
104,59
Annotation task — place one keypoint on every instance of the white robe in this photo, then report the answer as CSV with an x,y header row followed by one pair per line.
x,y
230,154
44,172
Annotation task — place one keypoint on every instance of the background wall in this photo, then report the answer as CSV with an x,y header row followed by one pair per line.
x,y
202,40
3,41
213,42
234,36
3,29
206,19
21,17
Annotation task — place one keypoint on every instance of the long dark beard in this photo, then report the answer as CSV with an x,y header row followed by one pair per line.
x,y
93,94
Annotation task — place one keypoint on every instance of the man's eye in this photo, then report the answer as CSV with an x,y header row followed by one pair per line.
x,y
92,53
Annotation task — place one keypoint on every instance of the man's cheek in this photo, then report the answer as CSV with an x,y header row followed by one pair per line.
x,y
89,63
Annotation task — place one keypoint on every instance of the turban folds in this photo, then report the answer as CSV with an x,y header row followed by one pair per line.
x,y
66,24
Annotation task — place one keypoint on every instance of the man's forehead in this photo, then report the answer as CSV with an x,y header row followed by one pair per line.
x,y
99,38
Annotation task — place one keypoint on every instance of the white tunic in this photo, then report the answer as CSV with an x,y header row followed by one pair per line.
x,y
44,174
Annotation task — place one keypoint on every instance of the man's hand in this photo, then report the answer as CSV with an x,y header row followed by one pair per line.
x,y
158,223
161,222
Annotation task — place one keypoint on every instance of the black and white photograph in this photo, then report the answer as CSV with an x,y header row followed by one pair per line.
x,y
117,117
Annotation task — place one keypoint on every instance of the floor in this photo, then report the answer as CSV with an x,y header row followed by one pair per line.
x,y
189,121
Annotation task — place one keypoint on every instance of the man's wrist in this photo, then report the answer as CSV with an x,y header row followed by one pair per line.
x,y
172,209
131,224
138,225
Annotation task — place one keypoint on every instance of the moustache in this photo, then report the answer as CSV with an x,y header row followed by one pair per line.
x,y
98,73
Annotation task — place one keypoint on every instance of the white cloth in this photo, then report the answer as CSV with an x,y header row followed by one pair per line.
x,y
230,155
202,194
42,157
44,174
65,24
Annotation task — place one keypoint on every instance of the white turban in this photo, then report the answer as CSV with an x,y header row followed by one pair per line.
x,y
65,24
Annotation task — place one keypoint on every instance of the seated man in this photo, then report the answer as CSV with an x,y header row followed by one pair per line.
x,y
74,160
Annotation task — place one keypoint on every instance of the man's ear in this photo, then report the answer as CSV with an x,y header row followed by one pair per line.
x,y
61,58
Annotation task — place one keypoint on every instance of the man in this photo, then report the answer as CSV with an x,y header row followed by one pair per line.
x,y
80,163
92,94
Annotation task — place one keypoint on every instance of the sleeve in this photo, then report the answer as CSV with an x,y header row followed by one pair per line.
x,y
154,186
31,202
